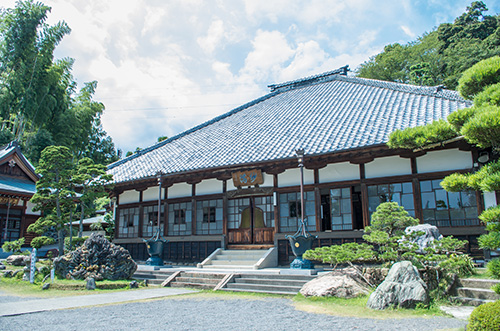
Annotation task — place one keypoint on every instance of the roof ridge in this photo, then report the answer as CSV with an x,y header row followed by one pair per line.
x,y
191,130
435,91
319,78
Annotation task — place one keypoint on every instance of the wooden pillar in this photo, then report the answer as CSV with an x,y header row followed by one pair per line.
x,y
276,203
165,210
193,208
364,196
417,197
141,215
317,200
224,207
23,220
117,216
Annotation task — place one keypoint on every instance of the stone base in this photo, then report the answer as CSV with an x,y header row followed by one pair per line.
x,y
307,272
155,260
300,263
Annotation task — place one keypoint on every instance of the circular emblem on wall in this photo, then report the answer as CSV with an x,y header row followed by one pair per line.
x,y
297,244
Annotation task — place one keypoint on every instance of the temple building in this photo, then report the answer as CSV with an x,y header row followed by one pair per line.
x,y
233,182
17,186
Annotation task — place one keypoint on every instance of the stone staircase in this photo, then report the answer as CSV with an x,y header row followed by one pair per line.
x,y
267,283
155,277
475,291
199,280
234,259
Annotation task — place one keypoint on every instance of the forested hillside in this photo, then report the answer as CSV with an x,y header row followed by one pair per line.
x,y
442,55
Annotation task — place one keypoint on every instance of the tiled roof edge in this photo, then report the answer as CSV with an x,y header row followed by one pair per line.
x,y
184,133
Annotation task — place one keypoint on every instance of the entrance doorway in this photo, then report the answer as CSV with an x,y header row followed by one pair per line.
x,y
251,220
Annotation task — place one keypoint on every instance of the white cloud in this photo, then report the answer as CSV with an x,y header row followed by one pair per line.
x,y
408,31
214,36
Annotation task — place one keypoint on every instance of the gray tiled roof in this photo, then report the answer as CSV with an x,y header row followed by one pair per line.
x,y
17,185
327,114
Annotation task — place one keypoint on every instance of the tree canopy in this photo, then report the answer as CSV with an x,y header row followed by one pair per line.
x,y
39,102
441,55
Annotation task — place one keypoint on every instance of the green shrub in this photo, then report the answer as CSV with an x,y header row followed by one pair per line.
x,y
13,246
493,268
41,241
480,75
460,264
485,317
483,129
496,288
345,253
44,270
75,243
490,96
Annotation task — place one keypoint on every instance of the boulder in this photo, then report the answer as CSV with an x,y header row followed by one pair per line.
x,y
431,233
90,284
18,260
402,287
341,283
46,286
134,284
97,258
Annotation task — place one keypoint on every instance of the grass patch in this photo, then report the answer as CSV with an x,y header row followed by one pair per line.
x,y
356,307
60,287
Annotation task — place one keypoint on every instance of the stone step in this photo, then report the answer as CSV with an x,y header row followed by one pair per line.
x,y
192,285
266,291
478,283
263,288
263,281
243,252
237,258
197,280
477,293
470,301
231,262
304,278
151,275
228,267
205,275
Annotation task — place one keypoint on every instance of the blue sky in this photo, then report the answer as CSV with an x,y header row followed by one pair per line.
x,y
165,66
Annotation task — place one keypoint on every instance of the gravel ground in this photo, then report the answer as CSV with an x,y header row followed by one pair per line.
x,y
209,314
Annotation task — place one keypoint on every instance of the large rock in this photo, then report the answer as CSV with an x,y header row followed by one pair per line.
x,y
18,260
342,283
431,233
97,258
402,287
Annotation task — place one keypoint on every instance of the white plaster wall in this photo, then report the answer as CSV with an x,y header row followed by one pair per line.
x,y
209,186
268,180
490,199
230,186
180,190
152,194
388,166
452,159
338,172
131,196
291,177
29,209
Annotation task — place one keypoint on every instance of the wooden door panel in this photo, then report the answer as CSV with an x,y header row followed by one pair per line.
x,y
264,236
239,236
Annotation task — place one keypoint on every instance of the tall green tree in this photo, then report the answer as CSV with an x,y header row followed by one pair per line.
x,y
92,183
39,103
442,55
55,194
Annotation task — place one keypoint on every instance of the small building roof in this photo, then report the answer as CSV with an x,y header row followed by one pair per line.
x,y
322,114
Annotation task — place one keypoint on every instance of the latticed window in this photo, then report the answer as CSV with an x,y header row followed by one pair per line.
x,y
443,208
402,193
209,216
150,220
128,225
341,209
179,219
290,211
